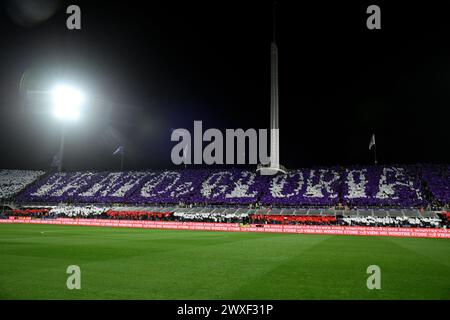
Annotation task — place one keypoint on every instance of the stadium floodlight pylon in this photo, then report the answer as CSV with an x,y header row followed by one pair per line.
x,y
274,166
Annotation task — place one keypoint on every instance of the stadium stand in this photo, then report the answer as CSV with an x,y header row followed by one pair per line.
x,y
437,180
370,186
351,196
14,181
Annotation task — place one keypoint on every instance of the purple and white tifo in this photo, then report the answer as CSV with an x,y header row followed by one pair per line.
x,y
402,186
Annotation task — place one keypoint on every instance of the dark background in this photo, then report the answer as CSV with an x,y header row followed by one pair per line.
x,y
150,66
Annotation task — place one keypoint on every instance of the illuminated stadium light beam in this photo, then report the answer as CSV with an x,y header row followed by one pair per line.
x,y
67,102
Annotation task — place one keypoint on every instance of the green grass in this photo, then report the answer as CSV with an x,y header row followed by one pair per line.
x,y
119,263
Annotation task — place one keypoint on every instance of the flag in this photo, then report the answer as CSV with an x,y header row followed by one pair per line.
x,y
118,151
372,141
56,160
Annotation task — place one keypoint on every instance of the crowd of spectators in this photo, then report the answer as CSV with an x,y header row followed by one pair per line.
x,y
98,212
14,181
212,217
356,186
412,222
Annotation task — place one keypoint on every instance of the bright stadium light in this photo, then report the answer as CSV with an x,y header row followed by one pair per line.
x,y
67,102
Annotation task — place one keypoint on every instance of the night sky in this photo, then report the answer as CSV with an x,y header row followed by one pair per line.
x,y
148,67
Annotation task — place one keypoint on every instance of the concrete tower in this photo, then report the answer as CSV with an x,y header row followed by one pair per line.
x,y
274,166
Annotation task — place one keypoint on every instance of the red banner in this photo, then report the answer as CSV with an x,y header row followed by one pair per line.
x,y
235,227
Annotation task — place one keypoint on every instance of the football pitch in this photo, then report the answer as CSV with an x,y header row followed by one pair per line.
x,y
122,263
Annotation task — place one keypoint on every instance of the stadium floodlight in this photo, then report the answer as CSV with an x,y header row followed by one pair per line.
x,y
67,102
